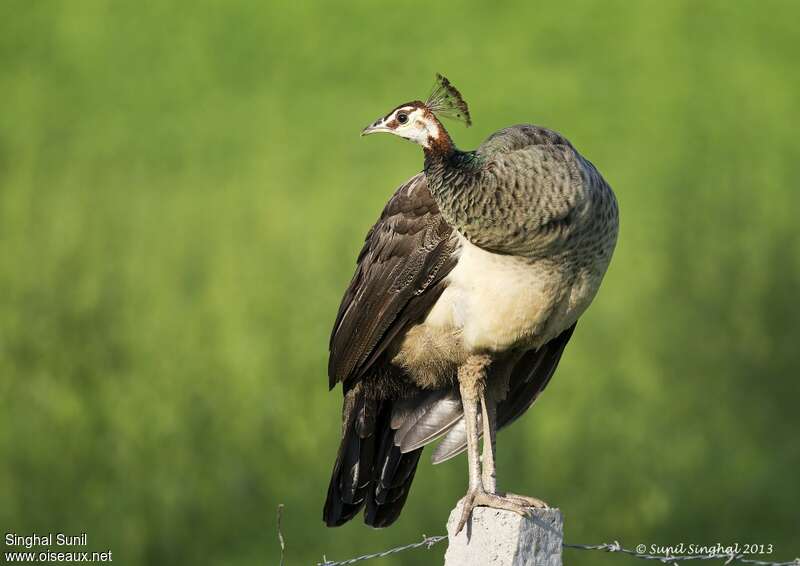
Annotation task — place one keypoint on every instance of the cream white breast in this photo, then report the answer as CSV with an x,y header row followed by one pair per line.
x,y
498,301
492,303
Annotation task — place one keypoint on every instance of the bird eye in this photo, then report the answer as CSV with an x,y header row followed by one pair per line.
x,y
402,117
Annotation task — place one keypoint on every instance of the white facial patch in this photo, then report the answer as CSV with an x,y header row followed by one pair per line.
x,y
417,128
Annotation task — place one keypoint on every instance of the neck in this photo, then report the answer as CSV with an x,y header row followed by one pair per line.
x,y
452,176
439,147
446,165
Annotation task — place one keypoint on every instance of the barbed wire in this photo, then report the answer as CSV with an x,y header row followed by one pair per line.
x,y
427,542
615,546
729,558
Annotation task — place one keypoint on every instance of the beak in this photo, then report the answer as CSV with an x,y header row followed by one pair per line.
x,y
375,127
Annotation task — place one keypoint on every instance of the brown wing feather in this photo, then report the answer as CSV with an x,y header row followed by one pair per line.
x,y
398,278
529,378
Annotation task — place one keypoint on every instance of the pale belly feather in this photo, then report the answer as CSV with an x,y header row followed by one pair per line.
x,y
500,301
493,303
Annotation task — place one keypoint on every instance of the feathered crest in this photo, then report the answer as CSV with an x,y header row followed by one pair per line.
x,y
446,101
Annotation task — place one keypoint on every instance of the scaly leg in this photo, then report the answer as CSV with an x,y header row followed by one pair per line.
x,y
489,416
472,381
489,473
473,457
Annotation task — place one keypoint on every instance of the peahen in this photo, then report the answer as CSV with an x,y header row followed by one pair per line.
x,y
466,292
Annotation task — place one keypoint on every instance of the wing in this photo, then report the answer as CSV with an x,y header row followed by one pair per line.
x,y
529,378
398,278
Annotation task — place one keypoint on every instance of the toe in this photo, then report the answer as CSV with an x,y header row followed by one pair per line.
x,y
468,504
498,502
528,501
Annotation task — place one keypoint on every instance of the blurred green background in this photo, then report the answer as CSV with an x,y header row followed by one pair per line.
x,y
183,193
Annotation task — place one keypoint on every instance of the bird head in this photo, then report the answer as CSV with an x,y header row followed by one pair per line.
x,y
411,121
418,122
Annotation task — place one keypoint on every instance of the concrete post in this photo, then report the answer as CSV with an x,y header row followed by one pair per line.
x,y
501,538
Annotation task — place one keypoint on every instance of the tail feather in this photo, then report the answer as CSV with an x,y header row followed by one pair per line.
x,y
369,470
349,481
383,513
394,471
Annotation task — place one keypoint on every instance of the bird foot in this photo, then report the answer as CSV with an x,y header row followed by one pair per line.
x,y
527,500
519,504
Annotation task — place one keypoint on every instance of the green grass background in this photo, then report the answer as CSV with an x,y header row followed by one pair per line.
x,y
182,196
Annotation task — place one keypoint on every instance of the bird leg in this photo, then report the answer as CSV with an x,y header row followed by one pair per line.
x,y
472,383
488,469
489,421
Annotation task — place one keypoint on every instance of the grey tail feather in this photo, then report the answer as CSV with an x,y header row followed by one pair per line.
x,y
453,444
424,418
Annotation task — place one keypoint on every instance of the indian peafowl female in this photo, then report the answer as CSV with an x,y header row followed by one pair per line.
x,y
466,292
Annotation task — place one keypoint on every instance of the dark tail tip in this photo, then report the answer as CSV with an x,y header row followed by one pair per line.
x,y
388,496
370,470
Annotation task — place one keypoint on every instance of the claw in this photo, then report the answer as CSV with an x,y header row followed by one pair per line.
x,y
520,504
